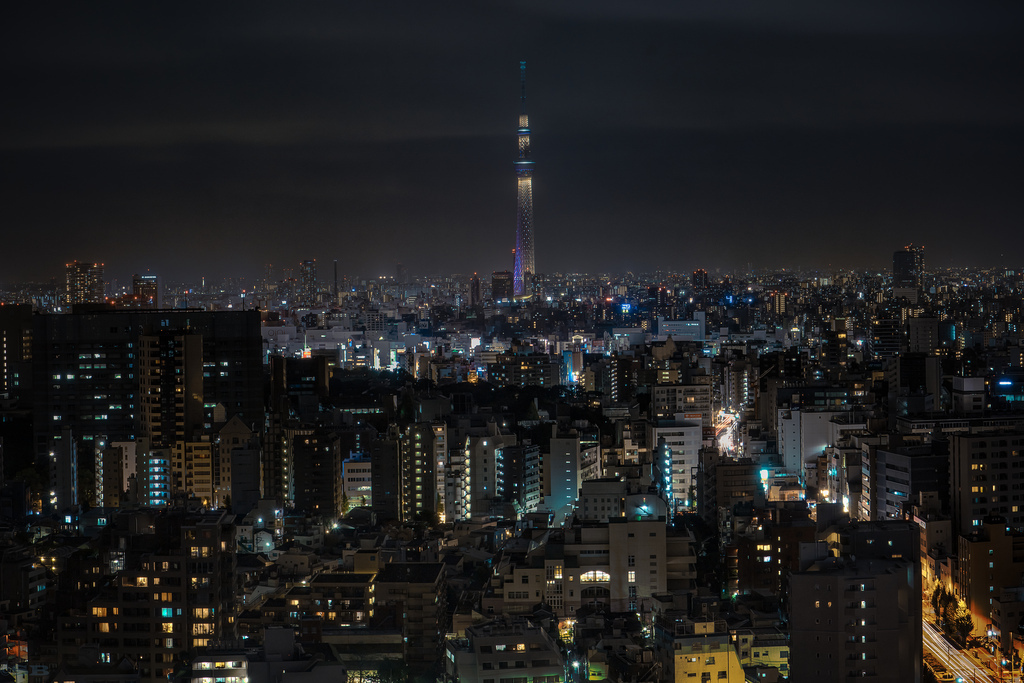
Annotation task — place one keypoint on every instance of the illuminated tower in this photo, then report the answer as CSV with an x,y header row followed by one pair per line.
x,y
524,268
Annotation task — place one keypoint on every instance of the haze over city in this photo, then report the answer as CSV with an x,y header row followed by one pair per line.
x,y
208,140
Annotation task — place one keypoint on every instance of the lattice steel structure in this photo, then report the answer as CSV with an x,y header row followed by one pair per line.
x,y
524,267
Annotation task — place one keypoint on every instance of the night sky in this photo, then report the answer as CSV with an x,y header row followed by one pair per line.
x,y
209,139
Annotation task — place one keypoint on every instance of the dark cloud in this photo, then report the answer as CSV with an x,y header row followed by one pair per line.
x,y
213,138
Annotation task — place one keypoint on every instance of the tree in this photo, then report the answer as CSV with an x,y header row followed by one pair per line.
x,y
940,602
936,596
962,621
345,505
942,606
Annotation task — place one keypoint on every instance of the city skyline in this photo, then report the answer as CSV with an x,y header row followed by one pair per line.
x,y
672,137
122,281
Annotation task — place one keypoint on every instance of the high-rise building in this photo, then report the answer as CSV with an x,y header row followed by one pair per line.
x,y
474,291
908,268
115,467
16,351
170,387
63,461
153,468
84,283
386,474
87,370
422,448
501,286
482,448
307,283
318,473
677,442
412,596
524,266
146,289
700,280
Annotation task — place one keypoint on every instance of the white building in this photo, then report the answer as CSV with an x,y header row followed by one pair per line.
x,y
676,444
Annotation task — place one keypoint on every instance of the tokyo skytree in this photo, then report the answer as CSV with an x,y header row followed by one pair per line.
x,y
524,267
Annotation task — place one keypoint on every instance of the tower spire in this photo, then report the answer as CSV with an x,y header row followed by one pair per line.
x,y
522,81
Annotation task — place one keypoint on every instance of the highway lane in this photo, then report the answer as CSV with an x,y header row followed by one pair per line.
x,y
956,662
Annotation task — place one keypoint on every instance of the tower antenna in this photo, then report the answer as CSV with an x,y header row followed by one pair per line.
x,y
522,81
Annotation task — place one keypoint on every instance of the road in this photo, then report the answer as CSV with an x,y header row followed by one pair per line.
x,y
956,662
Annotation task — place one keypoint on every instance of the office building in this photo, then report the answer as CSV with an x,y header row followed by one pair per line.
x,y
146,290
693,401
357,472
519,476
63,462
521,370
481,451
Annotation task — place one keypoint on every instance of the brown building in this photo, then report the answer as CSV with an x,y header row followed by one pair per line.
x,y
855,608
990,559
854,619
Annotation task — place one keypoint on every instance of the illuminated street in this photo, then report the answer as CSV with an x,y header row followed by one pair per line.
x,y
956,662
